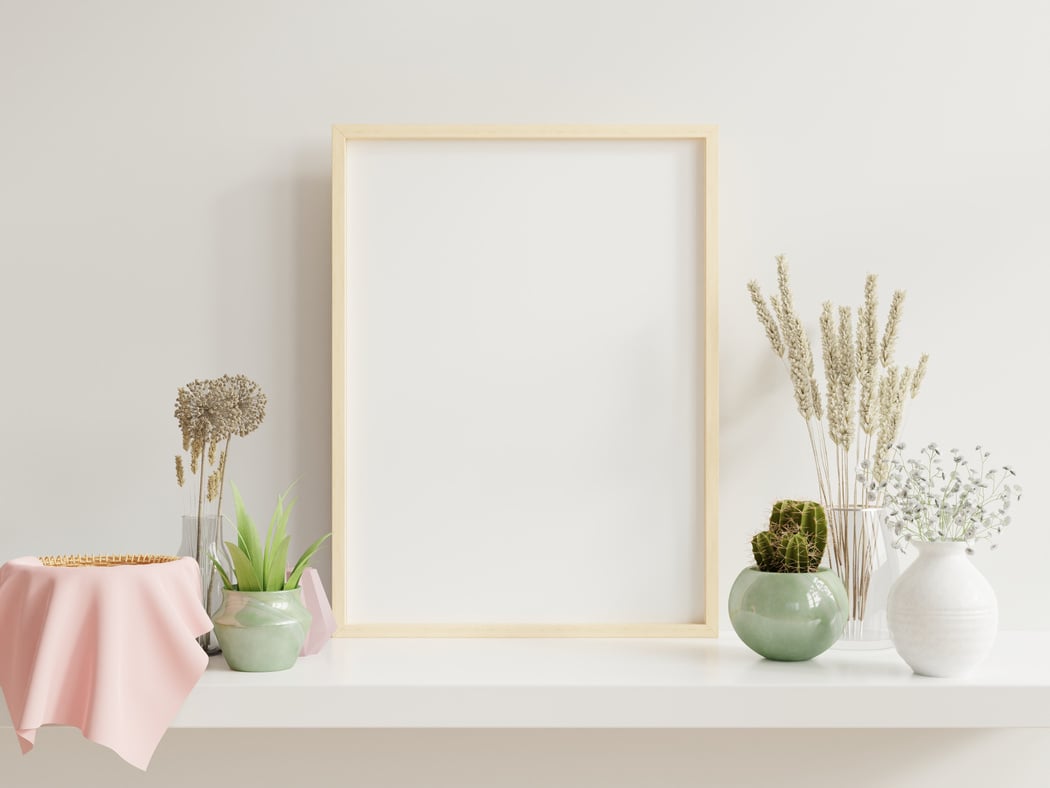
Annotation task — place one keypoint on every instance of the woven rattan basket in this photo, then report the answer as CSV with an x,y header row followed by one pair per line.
x,y
105,560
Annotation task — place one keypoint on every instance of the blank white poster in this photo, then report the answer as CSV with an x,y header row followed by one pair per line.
x,y
524,381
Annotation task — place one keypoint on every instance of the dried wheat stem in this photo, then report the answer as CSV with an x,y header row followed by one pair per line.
x,y
765,317
200,514
893,321
920,374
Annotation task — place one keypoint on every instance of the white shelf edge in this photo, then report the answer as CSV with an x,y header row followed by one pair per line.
x,y
617,684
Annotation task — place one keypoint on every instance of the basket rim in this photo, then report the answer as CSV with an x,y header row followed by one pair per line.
x,y
103,560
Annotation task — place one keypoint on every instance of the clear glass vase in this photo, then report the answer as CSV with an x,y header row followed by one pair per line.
x,y
860,550
200,542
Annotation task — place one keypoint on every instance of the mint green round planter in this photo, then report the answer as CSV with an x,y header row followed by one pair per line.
x,y
785,616
261,630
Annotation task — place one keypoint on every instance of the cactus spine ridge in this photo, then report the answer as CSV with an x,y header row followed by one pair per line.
x,y
796,538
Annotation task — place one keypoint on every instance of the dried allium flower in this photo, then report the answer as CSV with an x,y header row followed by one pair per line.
x,y
203,415
244,402
209,412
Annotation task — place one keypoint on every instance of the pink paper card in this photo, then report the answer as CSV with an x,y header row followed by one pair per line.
x,y
317,603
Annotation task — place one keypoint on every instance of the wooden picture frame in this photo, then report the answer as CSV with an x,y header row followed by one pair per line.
x,y
546,203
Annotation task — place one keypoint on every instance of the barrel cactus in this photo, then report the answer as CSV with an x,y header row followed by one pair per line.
x,y
796,539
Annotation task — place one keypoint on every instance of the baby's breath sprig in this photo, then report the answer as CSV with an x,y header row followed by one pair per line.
x,y
932,501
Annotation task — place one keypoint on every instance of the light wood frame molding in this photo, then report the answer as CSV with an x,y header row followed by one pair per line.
x,y
706,137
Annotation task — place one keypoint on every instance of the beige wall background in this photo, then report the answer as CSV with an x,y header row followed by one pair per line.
x,y
164,215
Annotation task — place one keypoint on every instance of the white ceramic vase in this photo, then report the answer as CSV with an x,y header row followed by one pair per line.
x,y
942,612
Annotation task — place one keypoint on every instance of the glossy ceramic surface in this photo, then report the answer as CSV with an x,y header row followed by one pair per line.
x,y
785,616
261,630
942,612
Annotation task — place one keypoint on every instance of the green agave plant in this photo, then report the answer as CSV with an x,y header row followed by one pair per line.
x,y
259,567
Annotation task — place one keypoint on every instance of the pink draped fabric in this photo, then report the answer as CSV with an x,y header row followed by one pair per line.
x,y
109,650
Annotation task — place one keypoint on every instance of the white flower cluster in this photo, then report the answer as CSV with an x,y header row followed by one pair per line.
x,y
930,500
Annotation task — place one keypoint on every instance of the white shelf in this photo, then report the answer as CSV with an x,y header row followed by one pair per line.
x,y
618,684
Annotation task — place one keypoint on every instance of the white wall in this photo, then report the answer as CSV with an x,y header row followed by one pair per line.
x,y
164,215
164,198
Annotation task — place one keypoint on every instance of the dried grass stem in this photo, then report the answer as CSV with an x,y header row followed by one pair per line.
x,y
863,403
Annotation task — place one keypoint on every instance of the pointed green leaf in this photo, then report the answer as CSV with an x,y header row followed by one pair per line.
x,y
270,542
273,535
247,576
272,528
278,522
301,564
222,573
247,535
275,574
273,564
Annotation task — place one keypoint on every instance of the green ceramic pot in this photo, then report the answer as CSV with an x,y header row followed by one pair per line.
x,y
261,630
786,616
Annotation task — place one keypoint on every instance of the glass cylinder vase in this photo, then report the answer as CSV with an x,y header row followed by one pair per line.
x,y
202,539
861,552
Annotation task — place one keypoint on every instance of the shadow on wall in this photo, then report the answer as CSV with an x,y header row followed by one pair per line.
x,y
272,242
559,759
